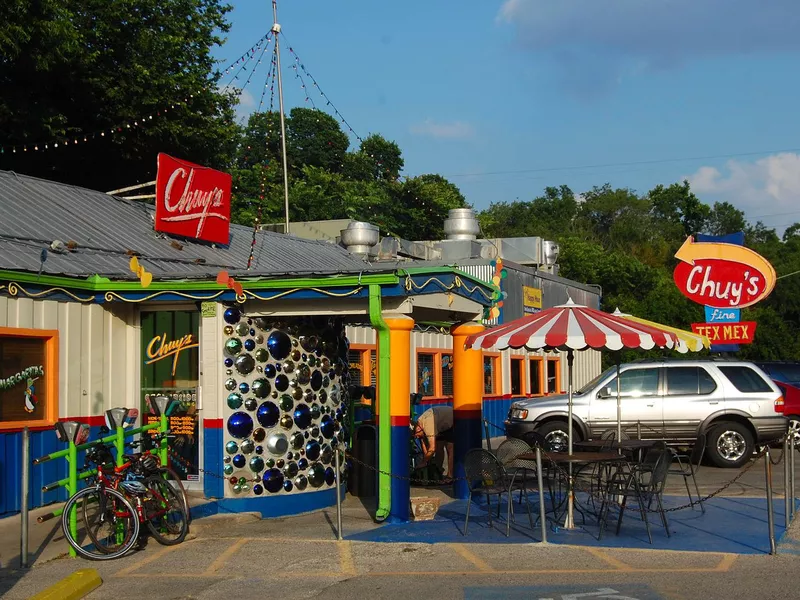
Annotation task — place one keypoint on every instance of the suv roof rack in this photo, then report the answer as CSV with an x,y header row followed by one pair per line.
x,y
689,358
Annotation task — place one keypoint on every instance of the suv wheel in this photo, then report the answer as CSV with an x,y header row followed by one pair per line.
x,y
730,445
556,435
794,430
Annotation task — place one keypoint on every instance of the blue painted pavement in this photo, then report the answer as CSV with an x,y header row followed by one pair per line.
x,y
730,524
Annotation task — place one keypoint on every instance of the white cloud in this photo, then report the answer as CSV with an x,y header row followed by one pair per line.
x,y
457,130
608,39
767,189
247,103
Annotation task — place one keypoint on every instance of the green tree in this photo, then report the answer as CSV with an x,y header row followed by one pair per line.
x,y
725,218
677,211
377,158
92,65
315,139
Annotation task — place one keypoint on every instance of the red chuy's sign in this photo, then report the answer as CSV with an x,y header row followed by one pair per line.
x,y
722,275
727,333
192,201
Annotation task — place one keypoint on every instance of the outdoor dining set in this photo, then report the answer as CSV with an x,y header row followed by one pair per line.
x,y
598,476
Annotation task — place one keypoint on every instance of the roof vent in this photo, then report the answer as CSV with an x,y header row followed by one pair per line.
x,y
461,224
550,250
359,237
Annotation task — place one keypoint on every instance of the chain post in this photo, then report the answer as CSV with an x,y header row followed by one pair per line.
x,y
770,517
786,511
792,506
540,483
338,494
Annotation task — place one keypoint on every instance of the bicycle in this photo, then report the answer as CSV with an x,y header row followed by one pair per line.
x,y
123,498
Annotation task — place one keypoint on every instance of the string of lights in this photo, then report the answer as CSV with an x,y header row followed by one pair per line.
x,y
319,89
245,58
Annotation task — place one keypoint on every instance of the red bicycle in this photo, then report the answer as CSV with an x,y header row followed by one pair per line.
x,y
116,504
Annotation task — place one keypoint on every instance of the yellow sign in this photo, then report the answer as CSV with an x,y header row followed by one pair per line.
x,y
531,297
159,349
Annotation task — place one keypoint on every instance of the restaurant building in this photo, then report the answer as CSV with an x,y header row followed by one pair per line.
x,y
259,340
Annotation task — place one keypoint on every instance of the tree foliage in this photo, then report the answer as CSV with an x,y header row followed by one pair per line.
x,y
73,68
626,243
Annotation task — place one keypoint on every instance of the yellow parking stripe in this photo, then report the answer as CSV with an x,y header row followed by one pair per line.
x,y
479,563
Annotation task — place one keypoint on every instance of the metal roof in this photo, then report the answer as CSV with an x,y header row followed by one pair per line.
x,y
107,229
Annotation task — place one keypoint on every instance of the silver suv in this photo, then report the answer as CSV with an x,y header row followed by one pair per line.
x,y
732,402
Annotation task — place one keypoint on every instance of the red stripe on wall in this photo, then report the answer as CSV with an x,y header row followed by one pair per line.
x,y
212,423
400,421
94,421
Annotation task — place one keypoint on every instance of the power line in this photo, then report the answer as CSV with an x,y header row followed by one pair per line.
x,y
622,164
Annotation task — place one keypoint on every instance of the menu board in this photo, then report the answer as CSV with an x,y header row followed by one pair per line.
x,y
183,426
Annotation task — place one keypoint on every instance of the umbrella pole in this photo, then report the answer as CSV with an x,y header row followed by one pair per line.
x,y
619,404
570,522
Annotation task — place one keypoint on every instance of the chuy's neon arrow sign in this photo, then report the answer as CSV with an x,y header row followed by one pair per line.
x,y
722,275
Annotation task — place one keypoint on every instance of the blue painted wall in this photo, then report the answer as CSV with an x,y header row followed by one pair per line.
x,y
42,443
495,410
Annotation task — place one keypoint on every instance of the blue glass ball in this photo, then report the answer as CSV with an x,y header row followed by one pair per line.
x,y
312,450
240,425
302,464
244,388
302,416
239,461
326,427
229,362
279,344
232,315
268,414
269,371
281,383
249,345
257,489
330,476
273,481
259,449
288,486
316,381
252,331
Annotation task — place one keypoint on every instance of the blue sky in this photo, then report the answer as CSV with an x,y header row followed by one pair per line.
x,y
505,97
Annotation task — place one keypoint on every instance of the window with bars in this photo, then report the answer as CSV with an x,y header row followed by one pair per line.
x,y
447,374
426,374
535,368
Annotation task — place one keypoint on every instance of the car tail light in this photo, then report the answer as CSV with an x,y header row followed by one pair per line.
x,y
779,404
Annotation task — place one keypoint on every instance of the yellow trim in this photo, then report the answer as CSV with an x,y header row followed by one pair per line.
x,y
113,296
457,283
72,587
14,289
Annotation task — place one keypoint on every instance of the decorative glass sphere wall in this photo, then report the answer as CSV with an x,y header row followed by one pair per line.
x,y
286,384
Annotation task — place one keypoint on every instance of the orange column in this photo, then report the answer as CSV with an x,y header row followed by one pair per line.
x,y
467,400
400,413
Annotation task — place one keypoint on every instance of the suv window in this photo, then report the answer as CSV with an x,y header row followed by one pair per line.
x,y
745,379
636,383
689,381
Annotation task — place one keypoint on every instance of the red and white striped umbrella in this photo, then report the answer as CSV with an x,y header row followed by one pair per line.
x,y
573,327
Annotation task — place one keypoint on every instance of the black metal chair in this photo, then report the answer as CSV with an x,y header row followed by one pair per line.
x,y
486,476
688,465
645,481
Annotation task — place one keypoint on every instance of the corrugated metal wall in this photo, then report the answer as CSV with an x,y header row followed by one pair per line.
x,y
98,351
98,369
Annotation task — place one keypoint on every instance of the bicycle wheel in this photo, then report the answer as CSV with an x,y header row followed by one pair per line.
x,y
175,481
110,523
166,518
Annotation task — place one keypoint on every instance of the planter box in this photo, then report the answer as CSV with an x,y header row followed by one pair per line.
x,y
424,508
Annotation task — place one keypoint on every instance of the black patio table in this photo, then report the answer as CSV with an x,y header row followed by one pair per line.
x,y
580,458
630,445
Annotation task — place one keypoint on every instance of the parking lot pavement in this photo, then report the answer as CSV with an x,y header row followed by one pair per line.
x,y
259,564
243,556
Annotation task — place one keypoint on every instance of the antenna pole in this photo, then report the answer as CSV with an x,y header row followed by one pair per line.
x,y
276,30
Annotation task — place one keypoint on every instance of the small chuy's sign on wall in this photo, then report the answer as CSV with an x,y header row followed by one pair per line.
x,y
192,201
723,277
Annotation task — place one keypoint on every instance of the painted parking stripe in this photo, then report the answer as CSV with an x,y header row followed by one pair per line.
x,y
562,592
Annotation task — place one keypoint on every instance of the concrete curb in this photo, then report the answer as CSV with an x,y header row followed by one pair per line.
x,y
72,587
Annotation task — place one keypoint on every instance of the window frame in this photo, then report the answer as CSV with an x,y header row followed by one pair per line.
x,y
365,351
437,353
51,375
697,392
557,361
521,364
542,376
497,375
